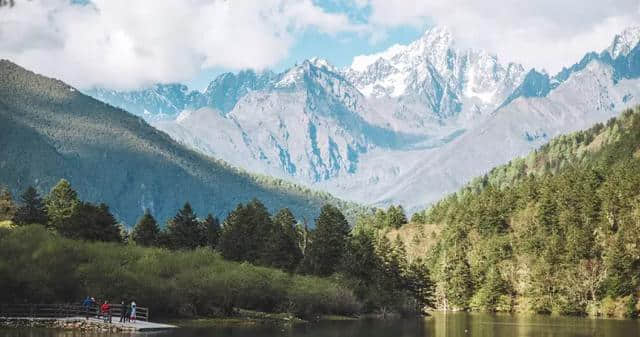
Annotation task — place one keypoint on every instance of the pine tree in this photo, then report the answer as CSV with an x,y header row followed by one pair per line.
x,y
244,232
7,206
61,204
146,232
32,209
394,262
418,282
212,224
457,275
396,217
281,248
360,260
328,242
184,231
92,222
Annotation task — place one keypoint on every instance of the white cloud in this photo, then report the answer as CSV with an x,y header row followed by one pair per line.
x,y
542,33
126,44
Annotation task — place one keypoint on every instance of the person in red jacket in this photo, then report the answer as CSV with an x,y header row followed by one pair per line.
x,y
105,308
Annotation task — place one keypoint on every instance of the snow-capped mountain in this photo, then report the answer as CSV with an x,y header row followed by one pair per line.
x,y
304,123
406,125
431,73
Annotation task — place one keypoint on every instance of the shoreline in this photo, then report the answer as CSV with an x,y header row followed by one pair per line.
x,y
81,324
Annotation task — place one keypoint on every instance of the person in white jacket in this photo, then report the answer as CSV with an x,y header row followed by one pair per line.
x,y
133,312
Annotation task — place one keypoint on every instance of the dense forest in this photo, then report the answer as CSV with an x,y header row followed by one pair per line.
x,y
60,248
555,232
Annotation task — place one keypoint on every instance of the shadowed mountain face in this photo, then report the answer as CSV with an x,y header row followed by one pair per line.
x,y
49,131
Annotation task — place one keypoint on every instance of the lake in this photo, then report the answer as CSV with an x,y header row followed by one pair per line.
x,y
439,325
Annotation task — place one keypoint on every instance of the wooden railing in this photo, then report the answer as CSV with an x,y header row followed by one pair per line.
x,y
66,310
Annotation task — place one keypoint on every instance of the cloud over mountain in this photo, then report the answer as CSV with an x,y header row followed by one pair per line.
x,y
129,44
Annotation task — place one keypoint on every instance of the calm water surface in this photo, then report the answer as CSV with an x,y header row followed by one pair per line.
x,y
440,325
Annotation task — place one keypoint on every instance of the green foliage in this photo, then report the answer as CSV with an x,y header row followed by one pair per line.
x,y
328,242
184,231
61,204
418,282
39,266
281,248
558,230
146,232
393,217
244,231
7,206
91,222
212,224
32,209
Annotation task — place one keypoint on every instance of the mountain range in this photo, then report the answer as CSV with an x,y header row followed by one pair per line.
x,y
404,126
49,131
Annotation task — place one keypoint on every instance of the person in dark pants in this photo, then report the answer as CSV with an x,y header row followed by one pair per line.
x,y
86,305
105,309
123,312
128,318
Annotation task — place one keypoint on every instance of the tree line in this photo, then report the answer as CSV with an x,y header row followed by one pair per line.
x,y
364,261
556,232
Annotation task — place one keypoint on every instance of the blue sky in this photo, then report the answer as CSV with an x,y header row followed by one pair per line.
x,y
128,45
338,49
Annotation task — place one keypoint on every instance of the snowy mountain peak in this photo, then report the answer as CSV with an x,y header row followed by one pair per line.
x,y
624,42
322,63
438,36
431,71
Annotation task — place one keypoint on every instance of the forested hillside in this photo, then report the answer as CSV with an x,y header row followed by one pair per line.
x,y
555,232
49,131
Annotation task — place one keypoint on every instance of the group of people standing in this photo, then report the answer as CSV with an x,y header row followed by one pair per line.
x,y
127,311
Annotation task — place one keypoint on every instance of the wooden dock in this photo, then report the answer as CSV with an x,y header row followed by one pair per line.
x,y
70,315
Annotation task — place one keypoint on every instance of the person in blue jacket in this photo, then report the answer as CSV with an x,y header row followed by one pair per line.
x,y
87,304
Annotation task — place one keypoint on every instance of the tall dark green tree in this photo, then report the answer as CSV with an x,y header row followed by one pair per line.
x,y
212,225
457,273
328,242
91,222
32,209
281,248
184,231
7,206
61,204
244,232
419,283
146,232
360,260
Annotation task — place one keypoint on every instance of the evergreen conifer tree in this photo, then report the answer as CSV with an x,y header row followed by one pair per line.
x,y
32,209
184,231
146,232
360,260
61,204
244,232
396,216
418,282
91,222
212,225
328,242
281,248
